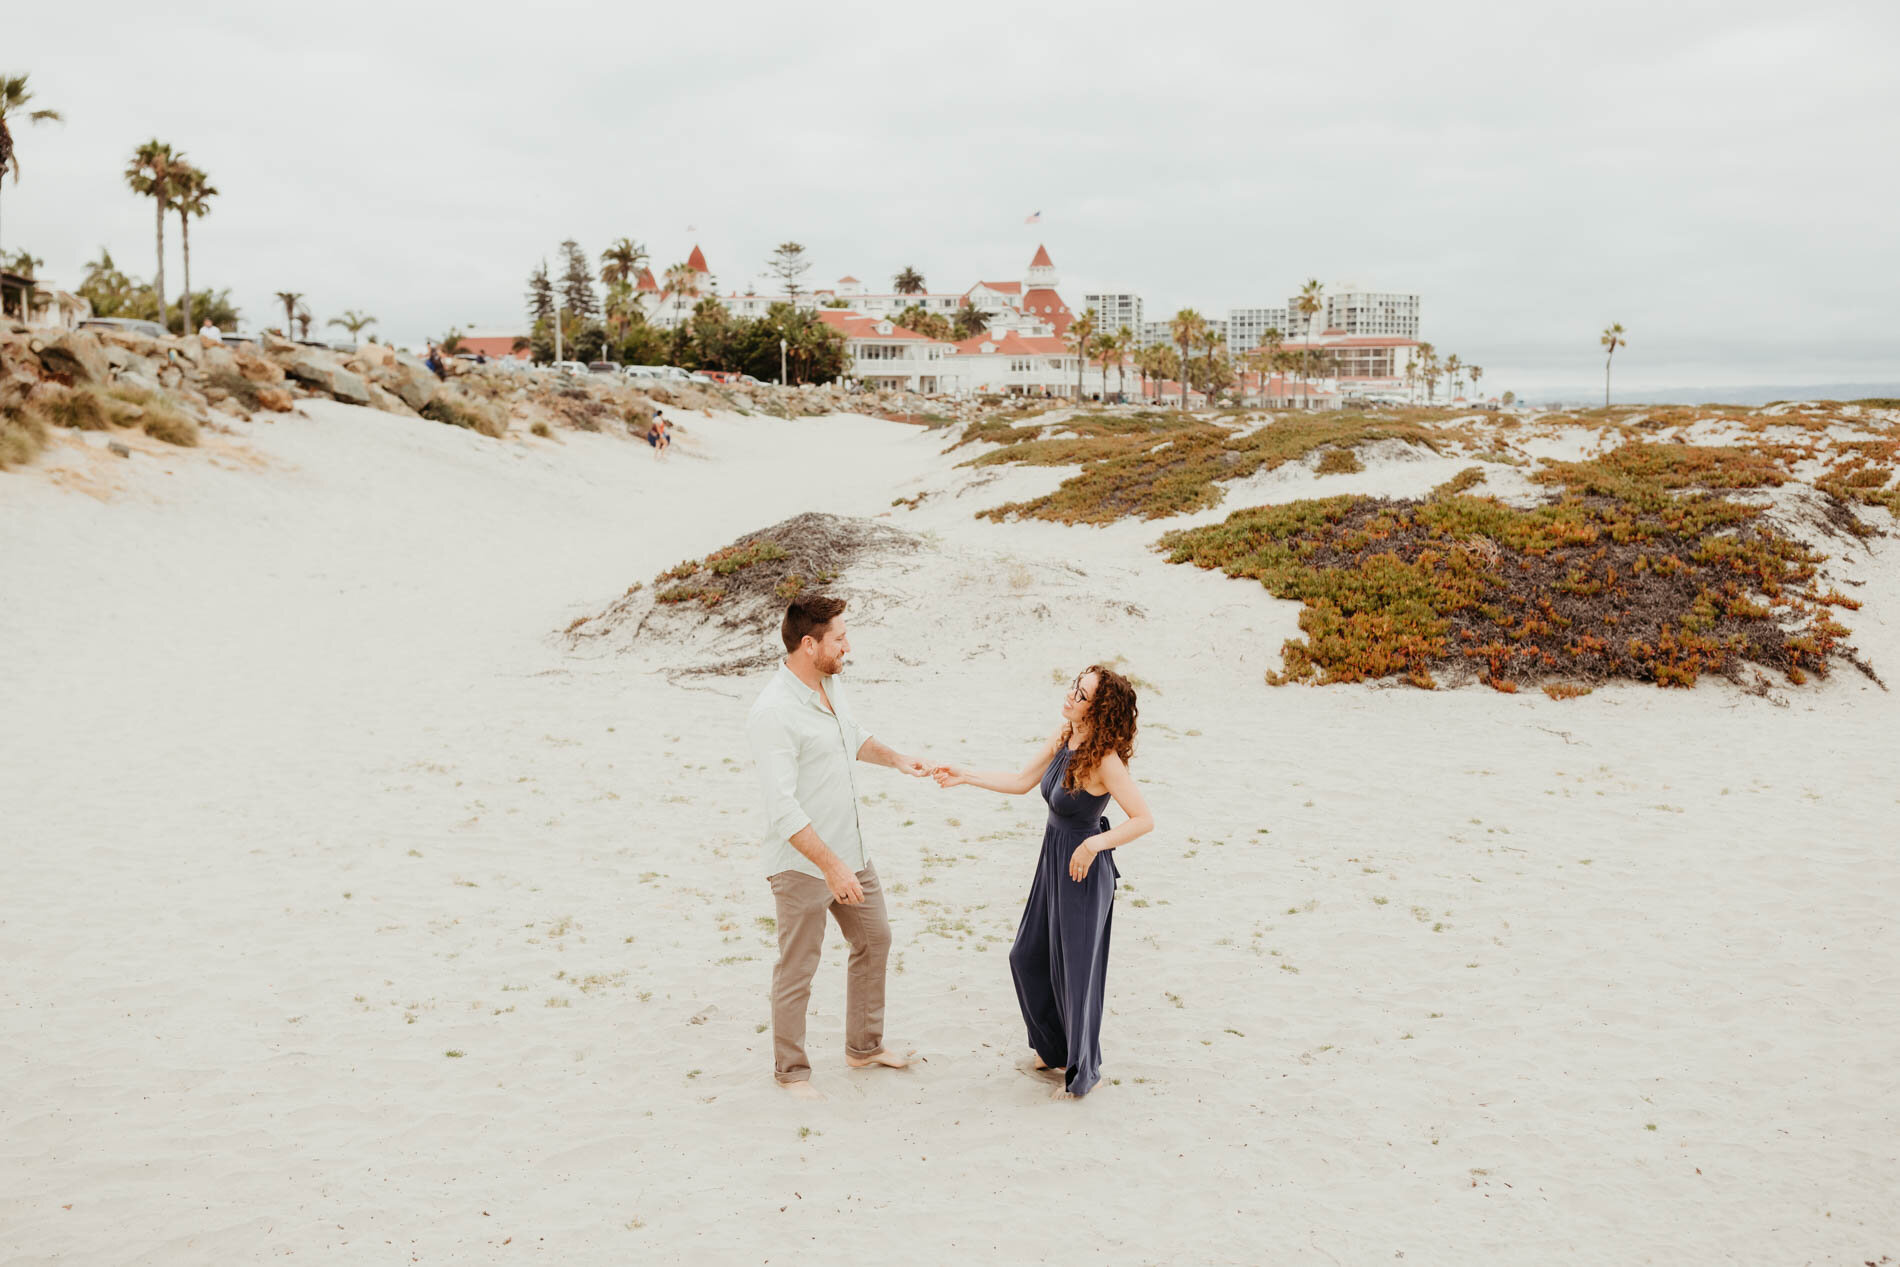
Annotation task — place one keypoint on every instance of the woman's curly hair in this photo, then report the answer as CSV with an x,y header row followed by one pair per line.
x,y
1112,714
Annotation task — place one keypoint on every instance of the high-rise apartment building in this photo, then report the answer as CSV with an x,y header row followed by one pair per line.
x,y
1152,332
1115,309
1247,327
1349,309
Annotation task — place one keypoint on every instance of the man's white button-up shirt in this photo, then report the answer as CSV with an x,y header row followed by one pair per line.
x,y
806,756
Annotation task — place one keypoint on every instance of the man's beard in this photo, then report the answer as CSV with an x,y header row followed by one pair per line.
x,y
833,669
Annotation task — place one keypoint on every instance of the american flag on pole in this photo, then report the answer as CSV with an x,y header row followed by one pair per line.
x,y
1035,219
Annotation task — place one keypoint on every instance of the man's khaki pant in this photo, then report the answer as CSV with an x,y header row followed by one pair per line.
x,y
803,901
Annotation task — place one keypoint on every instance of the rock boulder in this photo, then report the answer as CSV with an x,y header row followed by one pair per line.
x,y
77,356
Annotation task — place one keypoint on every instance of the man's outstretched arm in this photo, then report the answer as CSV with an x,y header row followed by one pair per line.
x,y
875,752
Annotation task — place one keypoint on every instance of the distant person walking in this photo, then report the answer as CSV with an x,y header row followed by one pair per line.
x,y
1060,959
806,743
657,437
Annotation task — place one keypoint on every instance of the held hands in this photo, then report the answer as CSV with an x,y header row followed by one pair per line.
x,y
950,776
1082,859
916,767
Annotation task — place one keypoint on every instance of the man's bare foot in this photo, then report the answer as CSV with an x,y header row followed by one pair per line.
x,y
882,1056
802,1090
1063,1093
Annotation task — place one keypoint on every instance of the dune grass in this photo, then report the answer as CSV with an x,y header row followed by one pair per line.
x,y
23,435
1640,567
477,416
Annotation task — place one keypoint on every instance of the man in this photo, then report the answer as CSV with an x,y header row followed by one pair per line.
x,y
805,742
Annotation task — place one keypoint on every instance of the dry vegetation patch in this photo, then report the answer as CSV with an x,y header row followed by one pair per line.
x,y
1641,567
1153,464
735,597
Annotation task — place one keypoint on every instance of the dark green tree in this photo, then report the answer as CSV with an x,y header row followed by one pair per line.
x,y
577,281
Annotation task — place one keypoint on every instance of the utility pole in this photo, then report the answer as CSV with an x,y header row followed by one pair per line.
x,y
558,358
781,363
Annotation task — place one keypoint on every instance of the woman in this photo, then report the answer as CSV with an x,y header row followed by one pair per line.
x,y
1060,959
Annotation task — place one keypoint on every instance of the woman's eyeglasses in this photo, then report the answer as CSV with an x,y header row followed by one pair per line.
x,y
1075,689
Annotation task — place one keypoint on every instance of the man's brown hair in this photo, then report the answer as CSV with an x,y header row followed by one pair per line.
x,y
808,614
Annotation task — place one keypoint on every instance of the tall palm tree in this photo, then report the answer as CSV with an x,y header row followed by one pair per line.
x,y
682,283
154,172
14,96
1080,338
290,299
1187,326
1612,340
1453,368
622,262
1474,373
193,195
909,282
1124,344
1307,305
1105,344
1425,358
355,322
303,321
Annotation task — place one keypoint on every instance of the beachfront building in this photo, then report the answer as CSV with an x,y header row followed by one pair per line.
x,y
496,345
1350,309
1010,364
888,303
1247,327
884,354
1115,309
1161,333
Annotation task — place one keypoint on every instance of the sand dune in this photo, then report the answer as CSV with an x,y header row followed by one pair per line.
x,y
348,912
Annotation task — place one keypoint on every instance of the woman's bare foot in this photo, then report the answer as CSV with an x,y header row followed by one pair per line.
x,y
1063,1093
802,1091
1034,1065
882,1056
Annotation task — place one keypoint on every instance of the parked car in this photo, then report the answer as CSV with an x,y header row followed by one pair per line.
x,y
698,377
647,372
569,367
603,367
128,325
232,339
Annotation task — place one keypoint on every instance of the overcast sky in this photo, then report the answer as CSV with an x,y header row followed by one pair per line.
x,y
1719,177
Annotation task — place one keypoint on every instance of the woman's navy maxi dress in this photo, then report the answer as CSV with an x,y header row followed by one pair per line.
x,y
1060,959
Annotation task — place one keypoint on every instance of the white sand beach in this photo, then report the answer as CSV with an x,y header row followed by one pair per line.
x,y
350,913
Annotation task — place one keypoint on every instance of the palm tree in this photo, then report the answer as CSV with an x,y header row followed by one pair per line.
x,y
14,94
1453,368
154,172
969,322
289,299
1080,338
1425,357
192,198
622,262
1612,340
1187,326
682,283
1124,344
1106,344
1474,373
909,282
303,321
1308,306
355,322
